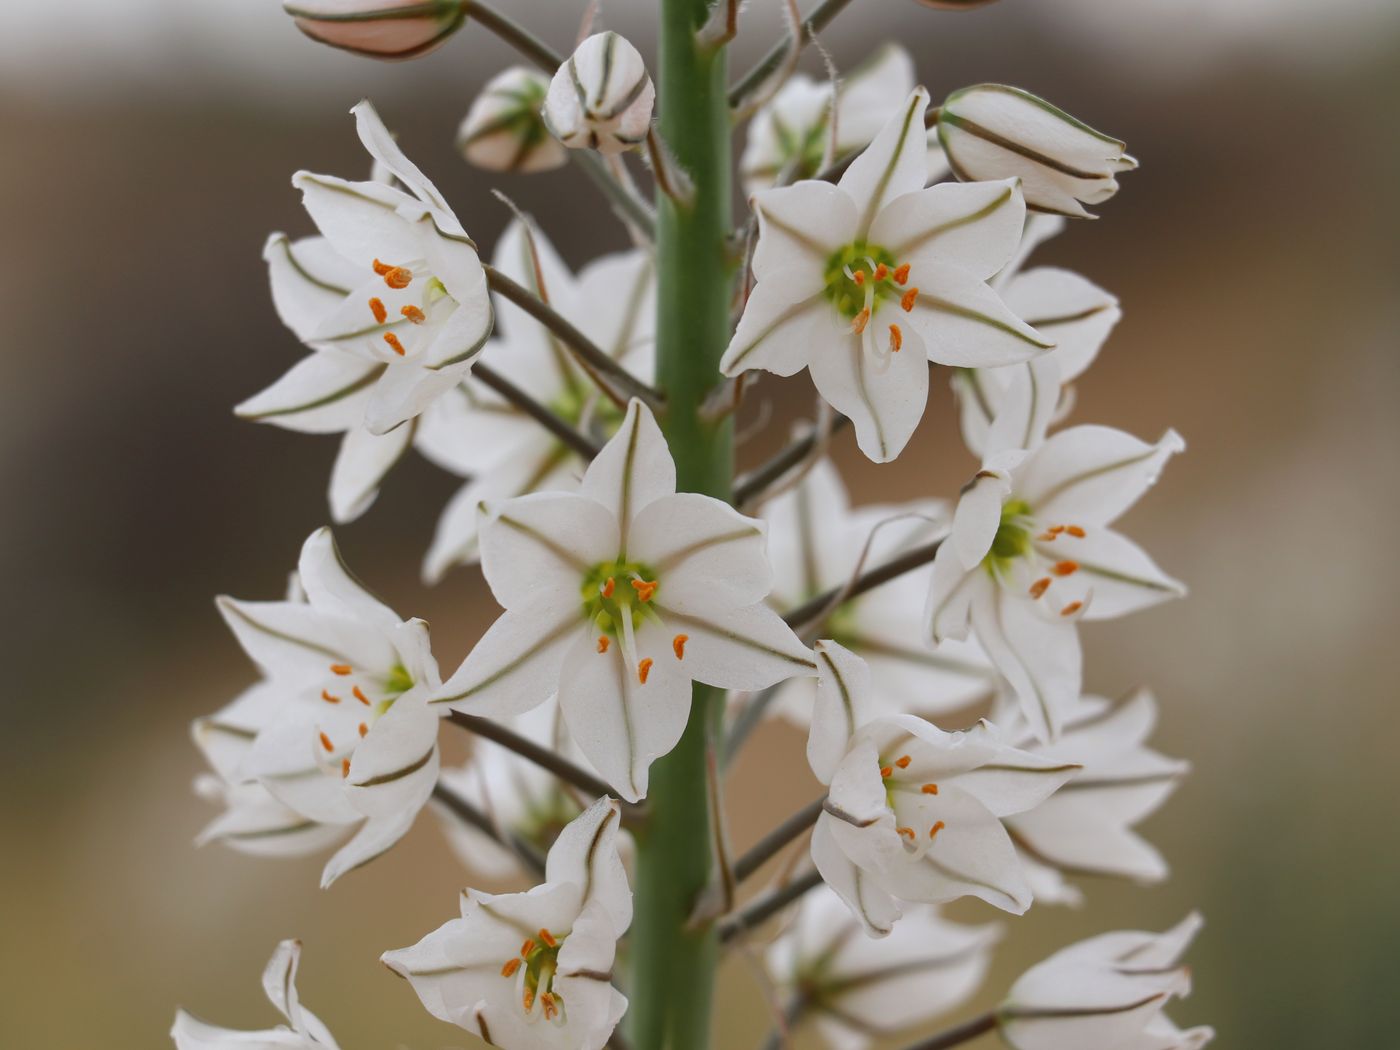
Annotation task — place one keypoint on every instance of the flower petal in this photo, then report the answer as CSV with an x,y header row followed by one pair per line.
x,y
1039,656
974,226
1122,576
332,588
876,909
884,399
360,219
702,550
1089,475
842,707
734,648
309,279
382,147
800,226
633,469
585,853
1076,314
323,393
516,664
1026,406
362,463
404,390
781,327
965,324
893,164
540,547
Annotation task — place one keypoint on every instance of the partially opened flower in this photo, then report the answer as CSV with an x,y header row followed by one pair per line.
x,y
864,282
991,131
280,984
348,736
815,543
379,28
393,301
791,136
856,989
504,129
619,597
913,813
1086,828
602,97
1032,552
476,433
1106,993
533,971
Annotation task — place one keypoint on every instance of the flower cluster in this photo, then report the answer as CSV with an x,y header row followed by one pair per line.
x,y
654,608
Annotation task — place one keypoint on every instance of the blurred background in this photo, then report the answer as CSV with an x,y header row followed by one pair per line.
x,y
148,145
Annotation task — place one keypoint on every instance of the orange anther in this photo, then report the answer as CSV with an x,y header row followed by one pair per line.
x,y
608,587
360,696
327,696
1071,608
364,729
861,320
1075,531
936,829
1055,530
326,742
603,642
644,669
548,938
394,344
901,273
1047,536
414,314
858,277
886,771
908,833
896,339
907,300
1038,588
929,789
344,768
527,947
1065,568
547,1003
678,645
529,998
508,970
881,272
644,588
398,277
341,669
903,761
376,307
380,267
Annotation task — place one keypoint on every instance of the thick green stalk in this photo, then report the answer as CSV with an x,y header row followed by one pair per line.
x,y
673,967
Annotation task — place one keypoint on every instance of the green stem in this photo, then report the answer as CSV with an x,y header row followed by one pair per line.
x,y
673,965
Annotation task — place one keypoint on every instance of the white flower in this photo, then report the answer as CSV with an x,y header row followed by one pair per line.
x,y
913,813
618,597
1031,552
1086,827
859,989
1012,407
991,131
791,134
378,28
348,736
863,283
279,983
815,541
602,97
504,131
1106,993
393,301
475,433
533,970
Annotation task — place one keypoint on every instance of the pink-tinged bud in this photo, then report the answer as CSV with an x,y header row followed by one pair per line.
x,y
386,29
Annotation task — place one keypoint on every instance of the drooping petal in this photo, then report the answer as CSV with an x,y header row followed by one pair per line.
x,y
963,323
541,546
1027,406
362,463
633,469
1089,475
404,390
876,909
702,551
323,393
333,589
382,147
308,279
883,397
516,664
973,226
842,707
1039,656
952,589
190,1033
978,515
894,164
749,647
585,853
799,227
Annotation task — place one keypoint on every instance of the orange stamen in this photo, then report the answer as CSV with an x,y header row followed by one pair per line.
x,y
364,729
929,789
529,998
644,588
644,669
908,833
896,339
527,947
341,669
1071,608
328,697
1075,531
547,1002
548,938
886,771
508,970
678,644
1065,568
903,761
360,696
608,587
394,344
1055,530
603,642
907,300
861,320
376,307
901,273
881,272
936,829
414,314
858,277
344,768
326,742
398,277
380,268
1039,587
1047,536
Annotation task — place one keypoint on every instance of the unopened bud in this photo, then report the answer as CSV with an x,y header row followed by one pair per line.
x,y
378,28
602,97
991,132
504,129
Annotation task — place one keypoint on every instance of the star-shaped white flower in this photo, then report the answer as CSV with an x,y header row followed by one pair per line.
x,y
619,597
1087,826
533,971
913,813
475,433
1031,553
864,282
791,134
393,301
860,989
348,736
280,983
1106,993
815,542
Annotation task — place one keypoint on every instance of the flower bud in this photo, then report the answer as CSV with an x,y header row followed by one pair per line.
x,y
504,129
378,28
991,131
601,98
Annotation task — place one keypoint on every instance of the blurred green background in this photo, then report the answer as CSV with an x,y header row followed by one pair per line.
x,y
147,146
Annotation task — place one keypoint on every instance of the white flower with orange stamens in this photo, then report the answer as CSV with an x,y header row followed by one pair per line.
x,y
864,282
1106,993
1031,553
602,97
394,301
619,597
347,736
913,813
857,990
815,543
1086,828
280,984
476,433
533,971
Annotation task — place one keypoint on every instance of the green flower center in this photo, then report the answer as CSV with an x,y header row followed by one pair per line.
x,y
539,959
861,276
612,590
1013,538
